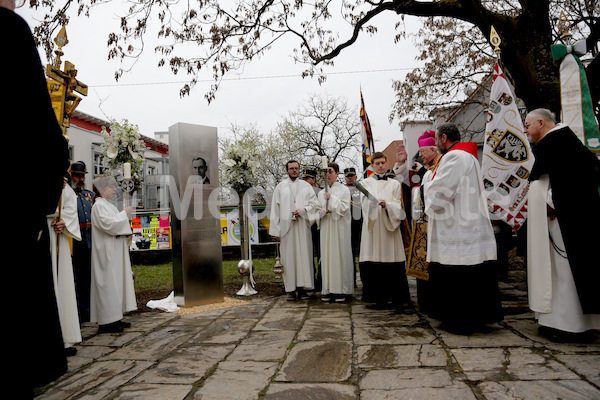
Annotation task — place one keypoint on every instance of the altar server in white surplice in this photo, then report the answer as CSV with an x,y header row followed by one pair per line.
x,y
112,290
61,228
337,261
292,214
382,258
461,247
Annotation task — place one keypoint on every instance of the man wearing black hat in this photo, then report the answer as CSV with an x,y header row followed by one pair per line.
x,y
356,224
310,176
82,250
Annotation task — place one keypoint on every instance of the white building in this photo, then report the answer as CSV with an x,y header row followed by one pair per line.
x,y
85,141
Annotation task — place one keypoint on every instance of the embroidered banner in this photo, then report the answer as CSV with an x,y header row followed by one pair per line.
x,y
507,156
367,139
416,264
576,102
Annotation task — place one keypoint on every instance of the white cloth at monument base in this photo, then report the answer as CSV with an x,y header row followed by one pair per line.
x,y
337,264
552,292
381,239
167,304
296,249
64,281
112,291
459,231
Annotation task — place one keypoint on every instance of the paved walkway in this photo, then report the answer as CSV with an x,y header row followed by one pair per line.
x,y
276,349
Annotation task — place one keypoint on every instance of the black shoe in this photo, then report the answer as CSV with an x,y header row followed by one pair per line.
x,y
302,295
114,327
558,336
377,306
70,351
457,329
326,298
124,324
292,296
339,298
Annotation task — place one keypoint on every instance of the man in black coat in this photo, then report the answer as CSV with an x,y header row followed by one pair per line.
x,y
573,175
33,138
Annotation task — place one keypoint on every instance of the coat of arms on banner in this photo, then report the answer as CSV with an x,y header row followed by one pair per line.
x,y
507,156
511,148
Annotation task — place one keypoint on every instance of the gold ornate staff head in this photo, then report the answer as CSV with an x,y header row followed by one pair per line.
x,y
564,27
495,41
61,40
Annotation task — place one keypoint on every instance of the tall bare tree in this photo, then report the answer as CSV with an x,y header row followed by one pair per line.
x,y
323,126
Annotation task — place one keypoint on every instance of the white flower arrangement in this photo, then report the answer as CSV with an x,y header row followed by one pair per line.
x,y
121,145
241,165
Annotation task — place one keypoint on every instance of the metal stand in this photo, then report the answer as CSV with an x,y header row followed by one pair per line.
x,y
245,267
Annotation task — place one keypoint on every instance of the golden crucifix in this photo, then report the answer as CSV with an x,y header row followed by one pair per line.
x,y
63,84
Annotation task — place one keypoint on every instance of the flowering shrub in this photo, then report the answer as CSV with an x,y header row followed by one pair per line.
x,y
123,145
240,165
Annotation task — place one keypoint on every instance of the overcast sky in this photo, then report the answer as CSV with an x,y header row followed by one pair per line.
x,y
268,88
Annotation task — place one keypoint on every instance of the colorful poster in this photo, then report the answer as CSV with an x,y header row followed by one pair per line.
x,y
507,156
151,232
233,228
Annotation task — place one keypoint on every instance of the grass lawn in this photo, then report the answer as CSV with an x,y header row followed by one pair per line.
x,y
161,276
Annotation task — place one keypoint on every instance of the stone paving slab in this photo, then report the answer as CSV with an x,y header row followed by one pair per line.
x,y
325,361
392,356
237,380
152,392
494,335
459,391
282,318
304,391
263,346
225,330
97,380
392,335
155,345
323,328
186,365
583,364
536,390
271,348
397,379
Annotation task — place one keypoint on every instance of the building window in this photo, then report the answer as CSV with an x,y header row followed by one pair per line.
x,y
100,164
151,170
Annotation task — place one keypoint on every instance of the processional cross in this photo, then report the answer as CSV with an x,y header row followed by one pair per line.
x,y
63,84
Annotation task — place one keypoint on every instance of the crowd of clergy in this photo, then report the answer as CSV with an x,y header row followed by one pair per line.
x,y
459,248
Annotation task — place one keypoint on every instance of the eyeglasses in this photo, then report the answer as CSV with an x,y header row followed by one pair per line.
x,y
19,3
526,125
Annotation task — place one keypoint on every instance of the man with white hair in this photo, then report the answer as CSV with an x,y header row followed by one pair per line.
x,y
562,265
112,291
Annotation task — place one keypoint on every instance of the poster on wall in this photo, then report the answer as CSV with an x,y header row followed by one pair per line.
x,y
230,228
151,231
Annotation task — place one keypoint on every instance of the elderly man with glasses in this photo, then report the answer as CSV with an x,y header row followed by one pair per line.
x,y
563,230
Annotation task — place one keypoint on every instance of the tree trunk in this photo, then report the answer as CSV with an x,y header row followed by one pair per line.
x,y
526,56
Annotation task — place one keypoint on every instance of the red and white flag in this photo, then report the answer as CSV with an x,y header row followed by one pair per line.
x,y
367,139
507,156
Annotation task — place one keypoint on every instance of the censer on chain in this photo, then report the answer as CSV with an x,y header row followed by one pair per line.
x,y
278,267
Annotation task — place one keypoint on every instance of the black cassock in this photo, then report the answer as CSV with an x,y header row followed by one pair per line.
x,y
574,174
34,162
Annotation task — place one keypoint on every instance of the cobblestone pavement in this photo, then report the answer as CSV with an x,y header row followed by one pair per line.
x,y
276,349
